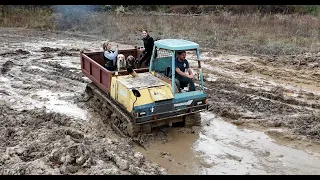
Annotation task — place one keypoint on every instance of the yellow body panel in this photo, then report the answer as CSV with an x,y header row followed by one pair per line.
x,y
122,92
160,93
145,98
113,87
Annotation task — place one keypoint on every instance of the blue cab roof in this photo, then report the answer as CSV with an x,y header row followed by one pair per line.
x,y
176,44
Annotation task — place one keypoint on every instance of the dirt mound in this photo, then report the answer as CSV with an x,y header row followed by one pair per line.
x,y
49,49
74,49
15,53
20,51
252,100
308,124
245,67
299,61
58,72
43,142
47,56
65,53
6,67
234,102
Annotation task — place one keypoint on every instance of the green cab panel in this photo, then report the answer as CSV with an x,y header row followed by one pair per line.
x,y
176,44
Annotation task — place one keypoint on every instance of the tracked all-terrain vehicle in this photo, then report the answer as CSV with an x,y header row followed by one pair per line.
x,y
144,98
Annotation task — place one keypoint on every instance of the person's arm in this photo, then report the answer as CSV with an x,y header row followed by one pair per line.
x,y
150,43
143,49
115,56
189,70
181,73
190,73
111,55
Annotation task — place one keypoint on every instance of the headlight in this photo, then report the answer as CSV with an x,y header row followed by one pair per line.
x,y
143,113
199,102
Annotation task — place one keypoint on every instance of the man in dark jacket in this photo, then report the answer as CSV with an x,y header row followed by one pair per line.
x,y
148,43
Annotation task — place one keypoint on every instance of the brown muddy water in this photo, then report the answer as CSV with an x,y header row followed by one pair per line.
x,y
223,148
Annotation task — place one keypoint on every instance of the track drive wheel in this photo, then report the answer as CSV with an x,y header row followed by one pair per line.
x,y
88,91
192,119
146,128
123,127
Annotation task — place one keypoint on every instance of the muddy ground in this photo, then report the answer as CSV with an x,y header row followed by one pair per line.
x,y
48,128
270,91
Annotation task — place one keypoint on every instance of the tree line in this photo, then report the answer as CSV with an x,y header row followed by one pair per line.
x,y
187,9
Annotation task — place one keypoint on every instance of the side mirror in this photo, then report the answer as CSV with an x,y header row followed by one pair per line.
x,y
136,93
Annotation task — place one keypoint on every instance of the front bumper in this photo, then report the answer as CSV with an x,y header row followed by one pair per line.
x,y
170,114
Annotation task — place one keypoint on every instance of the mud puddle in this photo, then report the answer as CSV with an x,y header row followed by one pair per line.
x,y
223,148
176,155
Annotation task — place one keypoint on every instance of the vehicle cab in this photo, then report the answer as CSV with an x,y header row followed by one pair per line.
x,y
163,61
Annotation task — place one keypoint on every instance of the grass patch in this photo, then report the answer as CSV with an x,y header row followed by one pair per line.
x,y
272,34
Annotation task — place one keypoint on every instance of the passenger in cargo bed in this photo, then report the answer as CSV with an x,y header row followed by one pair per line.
x,y
110,56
